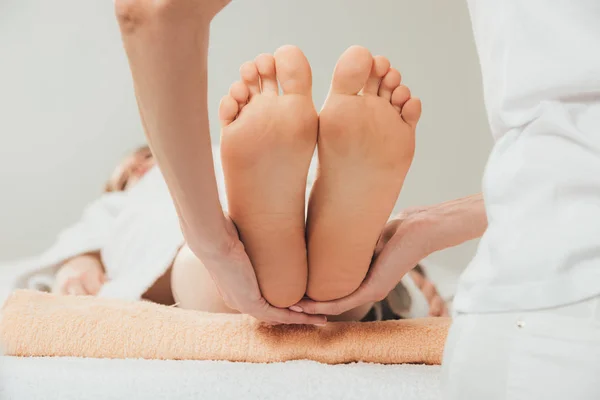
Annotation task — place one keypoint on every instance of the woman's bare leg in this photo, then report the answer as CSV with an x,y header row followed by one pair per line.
x,y
192,285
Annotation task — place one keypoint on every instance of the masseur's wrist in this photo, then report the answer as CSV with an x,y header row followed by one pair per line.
x,y
451,223
213,243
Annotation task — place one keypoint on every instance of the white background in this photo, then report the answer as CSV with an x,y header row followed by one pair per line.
x,y
68,114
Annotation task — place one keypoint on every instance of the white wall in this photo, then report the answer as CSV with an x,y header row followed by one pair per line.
x,y
67,111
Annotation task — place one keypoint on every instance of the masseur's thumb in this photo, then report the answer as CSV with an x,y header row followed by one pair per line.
x,y
335,307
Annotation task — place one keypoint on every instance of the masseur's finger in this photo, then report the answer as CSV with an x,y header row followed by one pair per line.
x,y
275,315
361,297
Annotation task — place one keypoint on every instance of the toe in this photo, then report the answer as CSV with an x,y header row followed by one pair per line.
x,y
352,71
293,71
411,111
381,66
239,91
389,83
228,110
265,63
400,96
250,77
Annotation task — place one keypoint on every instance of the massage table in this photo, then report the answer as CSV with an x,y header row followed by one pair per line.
x,y
100,378
79,379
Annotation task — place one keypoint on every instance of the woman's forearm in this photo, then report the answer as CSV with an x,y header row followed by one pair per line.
x,y
454,222
169,67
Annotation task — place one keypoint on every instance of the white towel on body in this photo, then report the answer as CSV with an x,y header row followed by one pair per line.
x,y
137,233
89,234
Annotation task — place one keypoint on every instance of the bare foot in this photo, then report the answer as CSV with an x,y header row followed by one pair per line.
x,y
366,145
267,144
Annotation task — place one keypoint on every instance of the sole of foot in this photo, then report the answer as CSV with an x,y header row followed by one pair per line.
x,y
366,145
267,142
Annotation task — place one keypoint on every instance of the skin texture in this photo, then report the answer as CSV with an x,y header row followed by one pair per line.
x,y
407,239
166,42
267,144
366,145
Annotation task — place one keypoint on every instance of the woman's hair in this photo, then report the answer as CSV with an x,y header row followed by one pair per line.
x,y
142,149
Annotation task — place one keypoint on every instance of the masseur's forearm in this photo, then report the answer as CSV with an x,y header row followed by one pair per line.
x,y
454,222
168,60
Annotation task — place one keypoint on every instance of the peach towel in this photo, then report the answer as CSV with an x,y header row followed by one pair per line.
x,y
41,324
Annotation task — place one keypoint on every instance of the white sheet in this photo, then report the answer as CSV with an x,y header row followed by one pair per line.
x,y
78,379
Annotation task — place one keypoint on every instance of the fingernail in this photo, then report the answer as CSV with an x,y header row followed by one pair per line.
x,y
321,325
296,309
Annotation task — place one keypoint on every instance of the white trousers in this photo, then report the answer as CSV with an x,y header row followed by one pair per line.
x,y
544,354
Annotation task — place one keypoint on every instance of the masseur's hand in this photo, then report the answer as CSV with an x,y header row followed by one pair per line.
x,y
403,244
405,241
236,281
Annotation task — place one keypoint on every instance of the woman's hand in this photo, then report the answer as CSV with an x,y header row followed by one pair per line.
x,y
404,242
81,276
234,276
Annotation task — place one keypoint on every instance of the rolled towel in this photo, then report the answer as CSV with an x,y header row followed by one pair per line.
x,y
41,324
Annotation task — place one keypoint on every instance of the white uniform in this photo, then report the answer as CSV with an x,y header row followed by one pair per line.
x,y
540,63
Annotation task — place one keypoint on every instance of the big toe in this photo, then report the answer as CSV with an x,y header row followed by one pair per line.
x,y
293,70
352,71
